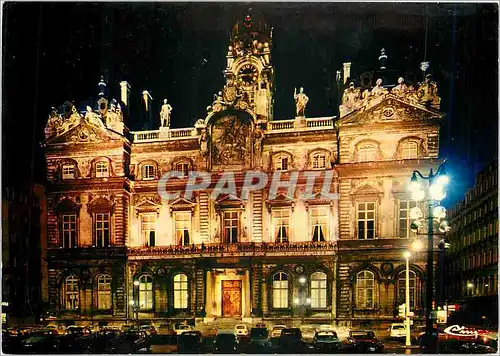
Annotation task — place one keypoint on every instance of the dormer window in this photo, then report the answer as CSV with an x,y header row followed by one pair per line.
x,y
367,153
101,170
282,163
68,171
148,172
319,161
182,167
409,150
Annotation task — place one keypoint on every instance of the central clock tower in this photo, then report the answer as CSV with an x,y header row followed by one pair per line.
x,y
249,64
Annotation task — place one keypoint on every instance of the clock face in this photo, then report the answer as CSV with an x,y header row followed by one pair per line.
x,y
248,74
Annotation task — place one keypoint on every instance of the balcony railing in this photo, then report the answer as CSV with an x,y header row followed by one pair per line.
x,y
85,253
159,135
237,249
279,125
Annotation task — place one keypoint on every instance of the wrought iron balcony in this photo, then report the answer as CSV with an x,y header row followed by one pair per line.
x,y
236,249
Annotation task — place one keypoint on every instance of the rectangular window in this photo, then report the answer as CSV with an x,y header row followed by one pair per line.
x,y
101,169
230,226
104,292
69,231
366,221
366,153
146,293
282,163
101,230
409,150
404,218
68,171
148,172
183,167
319,223
319,161
148,229
182,227
180,291
281,222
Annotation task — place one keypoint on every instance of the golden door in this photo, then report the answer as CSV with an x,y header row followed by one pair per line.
x,y
231,298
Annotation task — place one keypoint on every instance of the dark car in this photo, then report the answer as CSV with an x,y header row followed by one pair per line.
x,y
326,342
291,340
76,339
132,341
363,341
259,339
225,342
190,342
103,338
41,341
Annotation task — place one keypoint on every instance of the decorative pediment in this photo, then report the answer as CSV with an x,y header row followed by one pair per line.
x,y
281,200
390,108
366,189
317,199
181,204
229,201
147,204
101,204
84,131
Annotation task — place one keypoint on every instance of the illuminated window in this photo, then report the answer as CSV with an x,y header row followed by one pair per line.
x,y
367,153
104,292
183,227
404,218
182,167
281,163
319,223
148,172
101,169
101,230
230,226
319,161
180,291
366,221
145,292
365,283
148,229
402,288
409,150
71,292
69,231
280,290
68,171
281,222
318,290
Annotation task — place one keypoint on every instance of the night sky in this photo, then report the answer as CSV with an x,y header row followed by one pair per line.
x,y
53,52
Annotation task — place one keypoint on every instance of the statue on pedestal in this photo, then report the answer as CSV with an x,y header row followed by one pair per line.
x,y
301,101
401,88
166,109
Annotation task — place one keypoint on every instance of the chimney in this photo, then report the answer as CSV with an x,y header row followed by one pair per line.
x,y
347,71
147,100
125,92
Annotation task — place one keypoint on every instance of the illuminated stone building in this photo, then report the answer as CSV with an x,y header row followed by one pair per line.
x,y
472,259
118,251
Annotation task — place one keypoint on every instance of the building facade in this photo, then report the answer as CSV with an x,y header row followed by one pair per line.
x,y
472,259
126,243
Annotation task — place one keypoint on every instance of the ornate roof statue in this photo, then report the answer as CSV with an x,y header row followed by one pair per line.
x,y
301,101
166,109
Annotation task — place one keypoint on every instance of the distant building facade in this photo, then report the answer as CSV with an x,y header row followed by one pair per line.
x,y
118,250
22,254
472,259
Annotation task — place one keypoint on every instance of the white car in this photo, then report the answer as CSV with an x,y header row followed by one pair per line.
x,y
241,330
181,328
276,332
397,330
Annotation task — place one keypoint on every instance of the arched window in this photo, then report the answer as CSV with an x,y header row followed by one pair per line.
x,y
367,152
365,288
72,293
148,172
180,291
104,292
101,169
318,290
319,161
409,150
402,289
145,292
280,290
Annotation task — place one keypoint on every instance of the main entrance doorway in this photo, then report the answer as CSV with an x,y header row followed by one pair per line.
x,y
231,298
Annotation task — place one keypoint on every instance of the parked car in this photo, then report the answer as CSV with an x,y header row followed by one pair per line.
x,y
181,328
241,330
225,342
276,332
166,329
397,331
148,329
291,340
41,341
132,341
326,342
308,332
190,342
326,327
364,341
76,339
259,339
126,327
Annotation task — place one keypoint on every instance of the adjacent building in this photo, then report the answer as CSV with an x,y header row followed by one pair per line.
x,y
119,249
472,259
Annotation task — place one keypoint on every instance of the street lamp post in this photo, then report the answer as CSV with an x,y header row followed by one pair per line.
x,y
435,193
407,255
